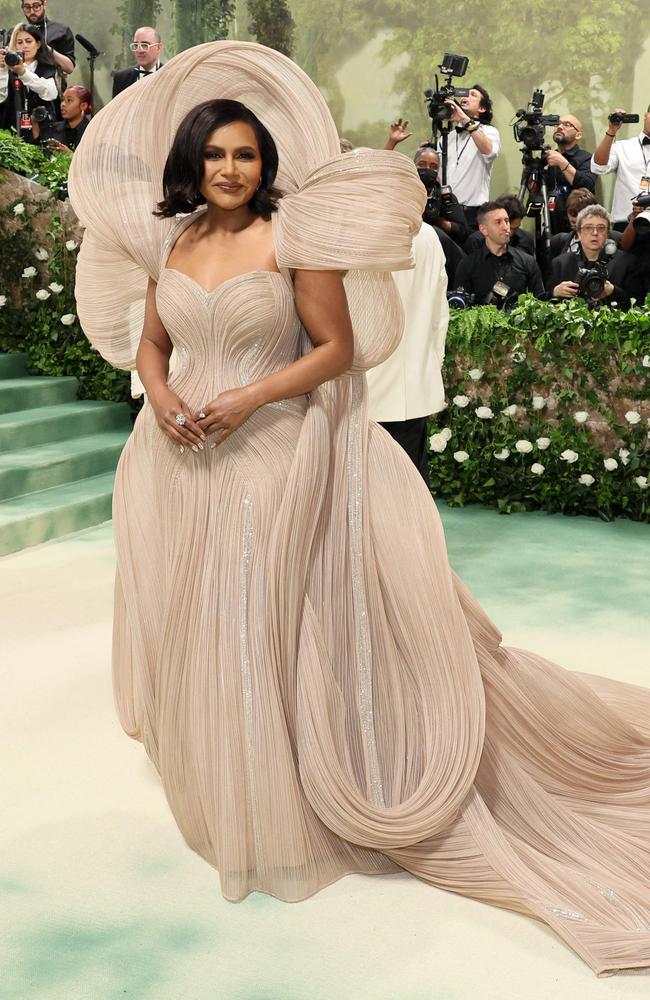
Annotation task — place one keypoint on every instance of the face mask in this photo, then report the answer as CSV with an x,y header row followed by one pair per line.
x,y
428,177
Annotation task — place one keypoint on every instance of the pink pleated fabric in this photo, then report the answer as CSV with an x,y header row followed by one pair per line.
x,y
318,691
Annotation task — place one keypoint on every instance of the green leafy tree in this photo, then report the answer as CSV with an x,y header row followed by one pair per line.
x,y
272,24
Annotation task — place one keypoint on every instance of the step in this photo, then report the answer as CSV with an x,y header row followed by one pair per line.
x,y
48,465
13,365
39,517
46,424
36,390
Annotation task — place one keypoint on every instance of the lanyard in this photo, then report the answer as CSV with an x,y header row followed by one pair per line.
x,y
645,158
463,148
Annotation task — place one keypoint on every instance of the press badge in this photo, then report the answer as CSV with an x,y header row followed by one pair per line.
x,y
644,185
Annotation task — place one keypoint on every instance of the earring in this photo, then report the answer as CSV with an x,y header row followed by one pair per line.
x,y
259,184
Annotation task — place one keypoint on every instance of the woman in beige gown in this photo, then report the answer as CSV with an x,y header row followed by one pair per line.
x,y
318,691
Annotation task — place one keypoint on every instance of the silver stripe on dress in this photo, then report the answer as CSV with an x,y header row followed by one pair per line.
x,y
363,648
246,681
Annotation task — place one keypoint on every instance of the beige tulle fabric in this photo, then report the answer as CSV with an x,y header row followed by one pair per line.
x,y
319,692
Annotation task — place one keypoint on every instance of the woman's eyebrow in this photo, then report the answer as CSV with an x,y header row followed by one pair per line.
x,y
239,149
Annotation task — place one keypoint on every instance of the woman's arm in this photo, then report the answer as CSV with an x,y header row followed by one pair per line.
x,y
152,361
322,306
44,86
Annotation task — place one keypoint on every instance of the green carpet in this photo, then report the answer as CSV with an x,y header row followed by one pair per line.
x,y
101,900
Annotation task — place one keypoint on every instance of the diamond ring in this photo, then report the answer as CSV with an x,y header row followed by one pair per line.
x,y
202,415
181,419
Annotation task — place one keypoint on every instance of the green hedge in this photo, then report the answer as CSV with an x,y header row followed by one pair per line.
x,y
542,364
37,271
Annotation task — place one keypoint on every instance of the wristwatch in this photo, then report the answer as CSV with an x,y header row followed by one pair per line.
x,y
472,125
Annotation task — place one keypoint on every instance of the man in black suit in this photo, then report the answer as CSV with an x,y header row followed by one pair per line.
x,y
146,47
592,229
58,36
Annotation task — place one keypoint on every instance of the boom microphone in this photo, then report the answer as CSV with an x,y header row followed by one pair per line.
x,y
95,53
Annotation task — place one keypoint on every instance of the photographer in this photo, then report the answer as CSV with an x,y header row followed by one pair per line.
x,y
443,209
64,136
596,255
57,36
473,147
28,70
569,169
497,273
630,159
518,237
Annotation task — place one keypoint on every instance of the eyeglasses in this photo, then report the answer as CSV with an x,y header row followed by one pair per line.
x,y
145,46
568,125
594,229
27,7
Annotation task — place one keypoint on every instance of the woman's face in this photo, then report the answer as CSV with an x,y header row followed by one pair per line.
x,y
232,166
25,43
71,106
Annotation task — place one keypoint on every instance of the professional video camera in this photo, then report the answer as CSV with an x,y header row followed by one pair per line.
x,y
460,299
620,118
642,220
591,279
530,123
451,65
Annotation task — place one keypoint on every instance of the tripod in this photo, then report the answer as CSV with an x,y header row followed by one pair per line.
x,y
444,128
533,194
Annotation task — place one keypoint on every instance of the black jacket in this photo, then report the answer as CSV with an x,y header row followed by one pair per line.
x,y
558,189
59,37
520,239
481,269
620,271
18,97
123,78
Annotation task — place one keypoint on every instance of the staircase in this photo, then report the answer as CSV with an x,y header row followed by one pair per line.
x,y
57,456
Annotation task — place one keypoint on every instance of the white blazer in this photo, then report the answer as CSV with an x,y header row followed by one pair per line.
x,y
409,383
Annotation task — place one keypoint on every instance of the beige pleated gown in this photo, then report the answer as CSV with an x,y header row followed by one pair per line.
x,y
318,691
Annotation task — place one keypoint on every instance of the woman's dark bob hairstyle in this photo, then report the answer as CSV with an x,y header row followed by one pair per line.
x,y
184,168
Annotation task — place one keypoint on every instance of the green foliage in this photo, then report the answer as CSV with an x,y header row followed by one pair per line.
x,y
550,362
45,327
272,24
48,169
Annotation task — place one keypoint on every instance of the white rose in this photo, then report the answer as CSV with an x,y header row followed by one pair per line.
x,y
502,455
646,361
3,301
543,443
41,254
569,456
632,417
517,356
523,447
461,456
510,410
484,413
68,319
537,469
55,287
642,482
475,374
610,464
461,401
19,209
42,294
29,272
437,442
71,245
446,433
586,479
624,455
539,402
581,417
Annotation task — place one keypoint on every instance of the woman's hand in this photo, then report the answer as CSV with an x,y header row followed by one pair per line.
x,y
166,406
226,413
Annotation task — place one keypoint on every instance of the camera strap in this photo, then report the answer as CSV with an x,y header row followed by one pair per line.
x,y
645,158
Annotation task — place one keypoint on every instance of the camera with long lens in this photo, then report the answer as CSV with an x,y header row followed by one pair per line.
x,y
458,298
620,118
502,296
438,201
642,220
530,123
450,66
591,278
14,58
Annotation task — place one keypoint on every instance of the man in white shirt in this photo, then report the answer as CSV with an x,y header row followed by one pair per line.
x,y
630,159
472,148
407,388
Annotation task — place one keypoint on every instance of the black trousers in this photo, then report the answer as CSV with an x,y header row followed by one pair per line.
x,y
412,436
